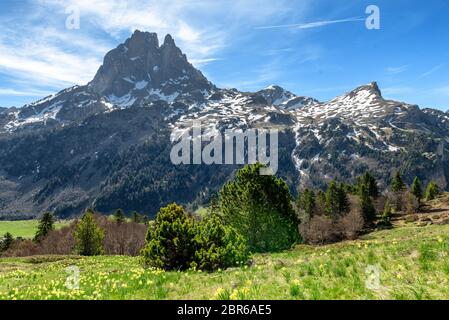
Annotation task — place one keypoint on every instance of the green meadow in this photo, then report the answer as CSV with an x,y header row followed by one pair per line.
x,y
24,228
412,263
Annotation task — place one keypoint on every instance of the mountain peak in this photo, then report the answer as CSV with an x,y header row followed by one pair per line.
x,y
142,71
372,88
169,41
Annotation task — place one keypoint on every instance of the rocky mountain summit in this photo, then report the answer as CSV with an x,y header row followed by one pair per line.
x,y
106,144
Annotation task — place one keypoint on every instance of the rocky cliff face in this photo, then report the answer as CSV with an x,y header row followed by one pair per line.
x,y
106,144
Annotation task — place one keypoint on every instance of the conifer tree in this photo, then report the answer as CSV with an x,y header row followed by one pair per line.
x,y
119,216
366,205
88,236
371,184
432,191
135,217
306,204
397,184
46,224
320,203
6,242
343,200
260,208
332,200
416,189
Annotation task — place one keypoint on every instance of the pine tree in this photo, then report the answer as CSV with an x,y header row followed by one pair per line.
x,y
320,203
397,184
371,184
260,208
88,236
343,200
6,242
46,224
432,191
119,216
306,204
332,200
136,217
366,205
416,189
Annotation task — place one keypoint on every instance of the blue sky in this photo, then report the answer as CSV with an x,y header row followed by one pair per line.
x,y
318,48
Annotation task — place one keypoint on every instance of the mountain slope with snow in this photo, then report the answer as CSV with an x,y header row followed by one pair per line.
x,y
107,144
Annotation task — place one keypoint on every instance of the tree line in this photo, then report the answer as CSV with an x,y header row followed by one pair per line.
x,y
251,213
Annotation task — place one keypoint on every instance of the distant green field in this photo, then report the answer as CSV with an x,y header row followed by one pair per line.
x,y
24,228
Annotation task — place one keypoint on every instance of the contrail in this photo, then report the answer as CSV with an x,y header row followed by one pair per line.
x,y
312,24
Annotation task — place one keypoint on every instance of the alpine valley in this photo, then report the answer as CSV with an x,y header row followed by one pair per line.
x,y
107,144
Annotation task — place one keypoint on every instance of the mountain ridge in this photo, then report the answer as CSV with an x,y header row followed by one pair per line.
x,y
107,144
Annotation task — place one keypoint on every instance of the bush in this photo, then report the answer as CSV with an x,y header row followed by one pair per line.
x,y
218,246
89,238
387,214
413,204
126,238
260,208
319,229
350,225
177,242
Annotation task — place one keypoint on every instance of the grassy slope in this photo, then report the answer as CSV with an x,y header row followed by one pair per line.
x,y
414,263
24,228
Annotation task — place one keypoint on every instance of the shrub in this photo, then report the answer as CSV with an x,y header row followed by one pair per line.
x,y
46,224
126,238
387,213
350,225
177,242
119,239
319,230
259,207
218,246
88,237
413,204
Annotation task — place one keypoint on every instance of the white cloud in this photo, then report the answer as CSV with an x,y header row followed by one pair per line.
x,y
36,49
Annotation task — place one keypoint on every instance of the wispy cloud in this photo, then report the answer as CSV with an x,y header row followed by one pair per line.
x,y
37,49
431,71
310,25
397,70
23,93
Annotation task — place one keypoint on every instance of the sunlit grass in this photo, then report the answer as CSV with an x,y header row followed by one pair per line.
x,y
24,228
413,264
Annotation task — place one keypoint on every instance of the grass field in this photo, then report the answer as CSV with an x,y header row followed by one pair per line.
x,y
24,228
412,262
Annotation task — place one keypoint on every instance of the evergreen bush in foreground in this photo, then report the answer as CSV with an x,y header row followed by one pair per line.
x,y
177,242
